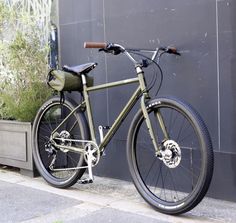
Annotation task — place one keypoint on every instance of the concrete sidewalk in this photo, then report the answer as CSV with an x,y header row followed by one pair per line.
x,y
24,199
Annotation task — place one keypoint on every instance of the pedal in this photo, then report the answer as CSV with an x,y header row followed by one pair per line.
x,y
86,181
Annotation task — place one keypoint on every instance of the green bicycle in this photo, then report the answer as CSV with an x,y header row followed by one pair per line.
x,y
169,149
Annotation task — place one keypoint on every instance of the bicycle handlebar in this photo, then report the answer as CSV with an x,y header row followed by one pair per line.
x,y
116,49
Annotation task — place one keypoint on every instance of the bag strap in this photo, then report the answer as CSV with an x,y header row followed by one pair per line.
x,y
62,97
49,76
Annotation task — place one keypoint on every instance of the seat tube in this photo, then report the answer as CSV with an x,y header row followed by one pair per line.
x,y
88,108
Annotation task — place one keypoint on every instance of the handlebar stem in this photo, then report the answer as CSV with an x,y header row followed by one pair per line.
x,y
126,53
154,56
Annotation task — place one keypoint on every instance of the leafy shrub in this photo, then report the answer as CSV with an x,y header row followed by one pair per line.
x,y
23,61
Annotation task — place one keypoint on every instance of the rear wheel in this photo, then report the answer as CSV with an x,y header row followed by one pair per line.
x,y
56,165
178,180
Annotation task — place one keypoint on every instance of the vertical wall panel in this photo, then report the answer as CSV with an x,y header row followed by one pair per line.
x,y
227,68
190,26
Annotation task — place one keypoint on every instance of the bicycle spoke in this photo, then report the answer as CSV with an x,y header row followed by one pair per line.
x,y
153,163
186,137
181,128
173,183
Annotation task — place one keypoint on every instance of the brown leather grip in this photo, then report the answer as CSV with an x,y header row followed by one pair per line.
x,y
172,49
95,45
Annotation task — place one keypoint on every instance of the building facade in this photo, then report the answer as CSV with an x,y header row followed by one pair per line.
x,y
205,74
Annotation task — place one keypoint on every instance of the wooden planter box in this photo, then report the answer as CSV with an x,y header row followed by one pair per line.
x,y
15,145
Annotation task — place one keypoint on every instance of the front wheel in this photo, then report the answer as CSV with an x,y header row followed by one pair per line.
x,y
59,167
176,181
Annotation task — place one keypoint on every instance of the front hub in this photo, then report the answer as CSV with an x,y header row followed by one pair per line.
x,y
171,154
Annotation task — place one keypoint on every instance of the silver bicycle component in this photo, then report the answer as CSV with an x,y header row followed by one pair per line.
x,y
49,148
51,166
91,154
66,147
100,129
65,135
65,140
101,134
171,155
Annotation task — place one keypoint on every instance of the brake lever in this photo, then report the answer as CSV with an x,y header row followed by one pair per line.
x,y
172,50
111,49
104,50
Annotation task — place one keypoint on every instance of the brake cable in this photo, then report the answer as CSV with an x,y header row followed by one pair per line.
x,y
157,65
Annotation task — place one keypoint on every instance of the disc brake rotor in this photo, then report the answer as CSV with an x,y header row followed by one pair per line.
x,y
171,155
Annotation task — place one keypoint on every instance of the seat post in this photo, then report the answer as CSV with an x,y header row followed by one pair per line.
x,y
84,81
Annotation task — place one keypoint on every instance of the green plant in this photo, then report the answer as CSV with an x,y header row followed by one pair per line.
x,y
23,61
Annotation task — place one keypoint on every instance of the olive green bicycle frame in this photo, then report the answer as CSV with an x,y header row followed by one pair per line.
x,y
141,90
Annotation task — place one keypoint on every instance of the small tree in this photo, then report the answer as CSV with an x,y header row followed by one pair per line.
x,y
23,64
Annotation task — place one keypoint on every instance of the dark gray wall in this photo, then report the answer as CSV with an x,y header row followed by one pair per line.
x,y
204,31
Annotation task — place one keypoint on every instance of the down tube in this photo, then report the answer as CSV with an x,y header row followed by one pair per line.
x,y
130,104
